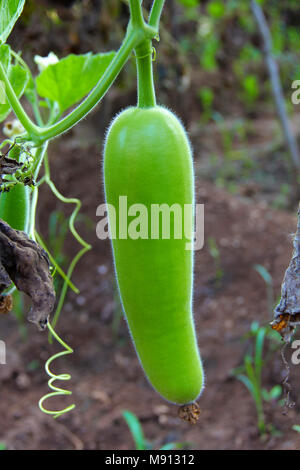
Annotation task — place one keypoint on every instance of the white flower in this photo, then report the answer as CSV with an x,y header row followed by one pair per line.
x,y
13,128
43,62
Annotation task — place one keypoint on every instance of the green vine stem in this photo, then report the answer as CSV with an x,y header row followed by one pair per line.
x,y
155,14
138,31
15,104
143,52
136,15
35,104
95,95
56,390
146,90
39,155
41,134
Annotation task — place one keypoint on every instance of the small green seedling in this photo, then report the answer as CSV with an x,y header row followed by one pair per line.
x,y
250,373
215,254
269,284
138,435
206,96
250,87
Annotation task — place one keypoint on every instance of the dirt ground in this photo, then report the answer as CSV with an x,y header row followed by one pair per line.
x,y
106,375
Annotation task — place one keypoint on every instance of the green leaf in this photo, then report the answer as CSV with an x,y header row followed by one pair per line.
x,y
264,273
254,327
172,446
72,78
213,248
189,3
18,78
206,96
249,368
210,48
216,8
5,55
136,430
296,427
258,360
10,10
265,394
275,392
251,87
247,383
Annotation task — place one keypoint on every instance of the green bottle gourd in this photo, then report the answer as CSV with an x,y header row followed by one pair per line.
x,y
148,159
14,207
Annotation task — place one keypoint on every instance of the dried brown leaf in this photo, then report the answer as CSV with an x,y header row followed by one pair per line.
x,y
287,312
27,265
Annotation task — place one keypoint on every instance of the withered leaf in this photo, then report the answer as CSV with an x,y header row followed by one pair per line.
x,y
9,166
287,311
4,279
27,265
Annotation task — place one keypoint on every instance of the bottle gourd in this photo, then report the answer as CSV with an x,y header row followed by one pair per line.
x,y
148,159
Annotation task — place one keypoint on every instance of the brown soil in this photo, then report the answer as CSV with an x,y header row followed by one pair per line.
x,y
106,375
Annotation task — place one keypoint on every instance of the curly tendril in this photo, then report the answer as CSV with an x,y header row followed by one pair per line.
x,y
151,52
85,246
56,390
34,235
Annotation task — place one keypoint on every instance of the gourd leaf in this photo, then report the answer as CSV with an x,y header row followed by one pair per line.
x,y
72,78
5,56
10,10
17,76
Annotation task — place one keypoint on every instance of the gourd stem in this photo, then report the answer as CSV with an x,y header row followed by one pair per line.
x,y
146,90
136,14
16,105
41,134
155,13
138,34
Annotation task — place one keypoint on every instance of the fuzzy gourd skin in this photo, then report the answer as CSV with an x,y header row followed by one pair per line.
x,y
147,157
14,207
